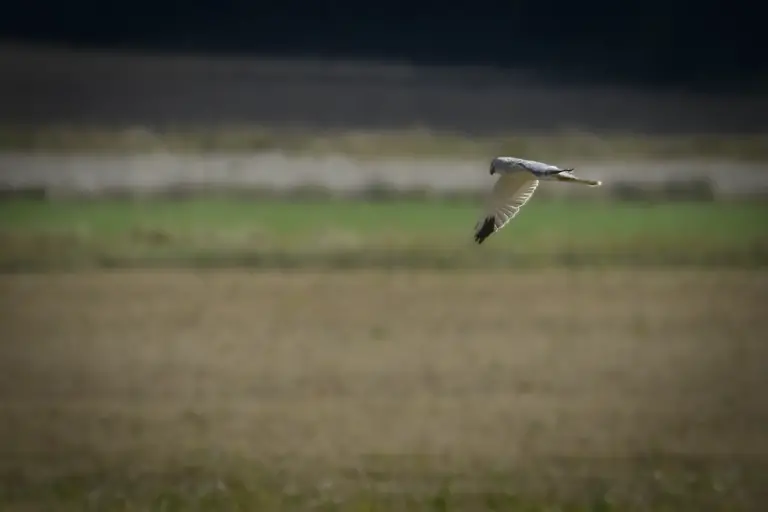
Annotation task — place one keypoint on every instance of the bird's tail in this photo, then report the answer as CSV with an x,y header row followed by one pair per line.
x,y
567,176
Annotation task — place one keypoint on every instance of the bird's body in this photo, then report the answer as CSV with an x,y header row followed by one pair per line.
x,y
517,182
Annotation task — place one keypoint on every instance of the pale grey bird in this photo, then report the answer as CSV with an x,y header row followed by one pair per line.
x,y
517,183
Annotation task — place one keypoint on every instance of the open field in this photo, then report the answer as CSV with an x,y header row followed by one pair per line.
x,y
230,390
400,143
349,233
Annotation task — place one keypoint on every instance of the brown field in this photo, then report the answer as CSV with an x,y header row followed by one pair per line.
x,y
397,378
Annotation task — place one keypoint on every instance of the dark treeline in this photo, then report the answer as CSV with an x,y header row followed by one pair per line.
x,y
702,45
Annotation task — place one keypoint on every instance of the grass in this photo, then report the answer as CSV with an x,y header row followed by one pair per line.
x,y
348,233
257,488
391,391
382,144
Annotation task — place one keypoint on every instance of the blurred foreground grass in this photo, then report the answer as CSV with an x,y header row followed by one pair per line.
x,y
590,390
415,142
677,486
350,233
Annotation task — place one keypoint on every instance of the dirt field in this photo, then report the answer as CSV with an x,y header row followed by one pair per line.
x,y
410,375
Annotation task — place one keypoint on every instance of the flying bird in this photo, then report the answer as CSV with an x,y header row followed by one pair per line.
x,y
517,182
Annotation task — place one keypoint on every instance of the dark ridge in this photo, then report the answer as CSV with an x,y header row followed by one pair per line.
x,y
650,43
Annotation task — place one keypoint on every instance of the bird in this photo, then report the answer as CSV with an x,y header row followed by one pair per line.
x,y
518,180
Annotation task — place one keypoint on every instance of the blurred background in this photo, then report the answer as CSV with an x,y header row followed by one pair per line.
x,y
238,269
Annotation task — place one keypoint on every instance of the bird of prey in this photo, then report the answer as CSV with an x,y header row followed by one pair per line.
x,y
518,180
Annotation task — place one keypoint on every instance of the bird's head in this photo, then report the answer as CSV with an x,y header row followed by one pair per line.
x,y
493,167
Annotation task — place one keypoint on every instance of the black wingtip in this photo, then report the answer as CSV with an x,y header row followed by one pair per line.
x,y
486,230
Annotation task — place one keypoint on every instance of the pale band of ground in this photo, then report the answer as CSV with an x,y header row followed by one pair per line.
x,y
145,174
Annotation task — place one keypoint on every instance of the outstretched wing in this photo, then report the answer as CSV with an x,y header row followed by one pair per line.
x,y
509,194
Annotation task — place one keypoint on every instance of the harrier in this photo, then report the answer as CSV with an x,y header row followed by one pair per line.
x,y
516,184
